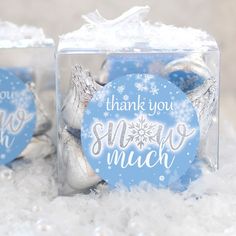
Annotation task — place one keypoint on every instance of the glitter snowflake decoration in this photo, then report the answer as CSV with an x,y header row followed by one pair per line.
x,y
86,133
154,90
144,78
183,112
141,132
105,114
120,89
141,87
88,112
145,83
101,96
125,97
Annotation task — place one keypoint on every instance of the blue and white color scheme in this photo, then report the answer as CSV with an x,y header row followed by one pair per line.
x,y
140,127
17,116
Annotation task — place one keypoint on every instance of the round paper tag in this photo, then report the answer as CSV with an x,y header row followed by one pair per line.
x,y
138,128
17,116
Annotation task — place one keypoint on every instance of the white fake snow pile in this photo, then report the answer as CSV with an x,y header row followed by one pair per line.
x,y
131,32
15,36
29,205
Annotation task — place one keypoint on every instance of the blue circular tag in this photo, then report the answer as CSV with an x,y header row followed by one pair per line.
x,y
17,116
140,127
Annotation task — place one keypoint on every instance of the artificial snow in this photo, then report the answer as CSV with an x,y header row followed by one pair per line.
x,y
130,32
30,205
14,36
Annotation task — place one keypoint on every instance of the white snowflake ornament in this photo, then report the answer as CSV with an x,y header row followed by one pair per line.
x,y
140,132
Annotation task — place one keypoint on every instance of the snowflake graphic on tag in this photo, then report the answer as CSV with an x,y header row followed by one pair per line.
x,y
17,116
140,128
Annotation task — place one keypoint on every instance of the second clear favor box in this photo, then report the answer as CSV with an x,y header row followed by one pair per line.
x,y
27,89
137,103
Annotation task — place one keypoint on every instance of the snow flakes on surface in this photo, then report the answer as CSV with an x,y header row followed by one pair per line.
x,y
121,89
182,112
145,83
141,132
131,32
101,96
154,90
141,87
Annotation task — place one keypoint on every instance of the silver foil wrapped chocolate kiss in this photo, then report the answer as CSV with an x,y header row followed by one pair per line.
x,y
202,95
43,123
82,88
79,174
41,144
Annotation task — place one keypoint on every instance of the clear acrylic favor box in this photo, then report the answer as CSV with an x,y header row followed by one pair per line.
x,y
26,92
137,103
